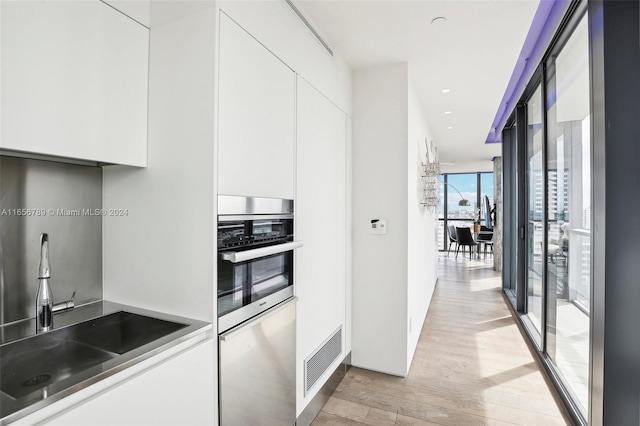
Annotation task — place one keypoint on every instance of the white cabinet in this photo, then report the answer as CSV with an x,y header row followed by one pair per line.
x,y
74,81
256,120
180,391
321,223
138,10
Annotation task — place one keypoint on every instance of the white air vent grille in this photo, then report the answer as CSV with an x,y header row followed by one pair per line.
x,y
318,362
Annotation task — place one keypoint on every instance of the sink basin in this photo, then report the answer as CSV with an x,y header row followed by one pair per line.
x,y
119,332
32,364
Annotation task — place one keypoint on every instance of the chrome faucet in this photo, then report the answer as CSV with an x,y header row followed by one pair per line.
x,y
44,299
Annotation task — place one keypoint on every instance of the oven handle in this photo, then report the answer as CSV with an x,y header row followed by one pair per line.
x,y
242,256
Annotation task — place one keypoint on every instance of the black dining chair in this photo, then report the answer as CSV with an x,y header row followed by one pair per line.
x,y
465,238
485,237
453,239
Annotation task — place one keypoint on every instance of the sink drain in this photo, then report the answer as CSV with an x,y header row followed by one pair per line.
x,y
38,379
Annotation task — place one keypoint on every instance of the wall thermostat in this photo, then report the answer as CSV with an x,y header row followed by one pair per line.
x,y
378,226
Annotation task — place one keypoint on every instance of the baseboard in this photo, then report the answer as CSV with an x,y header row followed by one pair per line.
x,y
315,405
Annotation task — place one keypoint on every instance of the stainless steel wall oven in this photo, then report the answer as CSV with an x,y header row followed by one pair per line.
x,y
255,256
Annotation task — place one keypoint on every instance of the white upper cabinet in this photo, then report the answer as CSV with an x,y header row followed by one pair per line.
x,y
256,136
74,81
138,10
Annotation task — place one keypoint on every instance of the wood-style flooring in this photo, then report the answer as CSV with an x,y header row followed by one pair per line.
x,y
472,365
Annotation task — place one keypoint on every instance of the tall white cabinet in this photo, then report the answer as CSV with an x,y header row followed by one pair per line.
x,y
321,223
74,81
256,130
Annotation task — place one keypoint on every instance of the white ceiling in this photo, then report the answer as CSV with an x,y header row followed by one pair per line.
x,y
473,53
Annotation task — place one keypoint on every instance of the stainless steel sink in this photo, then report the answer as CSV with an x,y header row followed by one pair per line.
x,y
34,369
31,364
119,332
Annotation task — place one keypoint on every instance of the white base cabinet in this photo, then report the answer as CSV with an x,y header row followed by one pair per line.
x,y
176,390
256,134
74,77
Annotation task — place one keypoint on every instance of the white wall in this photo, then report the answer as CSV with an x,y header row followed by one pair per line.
x,y
349,239
380,152
161,255
422,228
394,274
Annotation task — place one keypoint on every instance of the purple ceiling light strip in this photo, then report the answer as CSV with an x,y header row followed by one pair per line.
x,y
544,25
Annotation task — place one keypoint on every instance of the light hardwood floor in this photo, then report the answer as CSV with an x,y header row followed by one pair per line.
x,y
471,367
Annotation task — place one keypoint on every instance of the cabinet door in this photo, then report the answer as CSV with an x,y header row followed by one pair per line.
x,y
74,81
180,391
320,222
256,118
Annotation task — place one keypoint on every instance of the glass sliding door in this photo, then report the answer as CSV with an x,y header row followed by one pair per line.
x,y
535,208
569,212
509,213
548,215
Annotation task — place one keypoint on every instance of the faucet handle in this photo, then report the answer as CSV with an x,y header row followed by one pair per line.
x,y
66,305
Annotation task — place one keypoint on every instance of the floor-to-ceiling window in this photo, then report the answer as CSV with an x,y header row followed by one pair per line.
x,y
455,187
486,198
443,238
569,212
535,207
549,214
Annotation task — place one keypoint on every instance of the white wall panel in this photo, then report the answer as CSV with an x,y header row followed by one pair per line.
x,y
421,237
379,192
320,223
393,274
349,238
161,255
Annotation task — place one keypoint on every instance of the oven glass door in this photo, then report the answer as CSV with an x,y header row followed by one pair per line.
x,y
240,284
270,274
230,286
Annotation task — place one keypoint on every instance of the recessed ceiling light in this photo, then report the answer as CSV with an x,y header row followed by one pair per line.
x,y
449,127
438,20
446,90
448,112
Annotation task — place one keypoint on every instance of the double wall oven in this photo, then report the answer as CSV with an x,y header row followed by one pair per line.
x,y
255,256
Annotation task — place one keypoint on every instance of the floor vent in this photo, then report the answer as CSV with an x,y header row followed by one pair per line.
x,y
318,362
